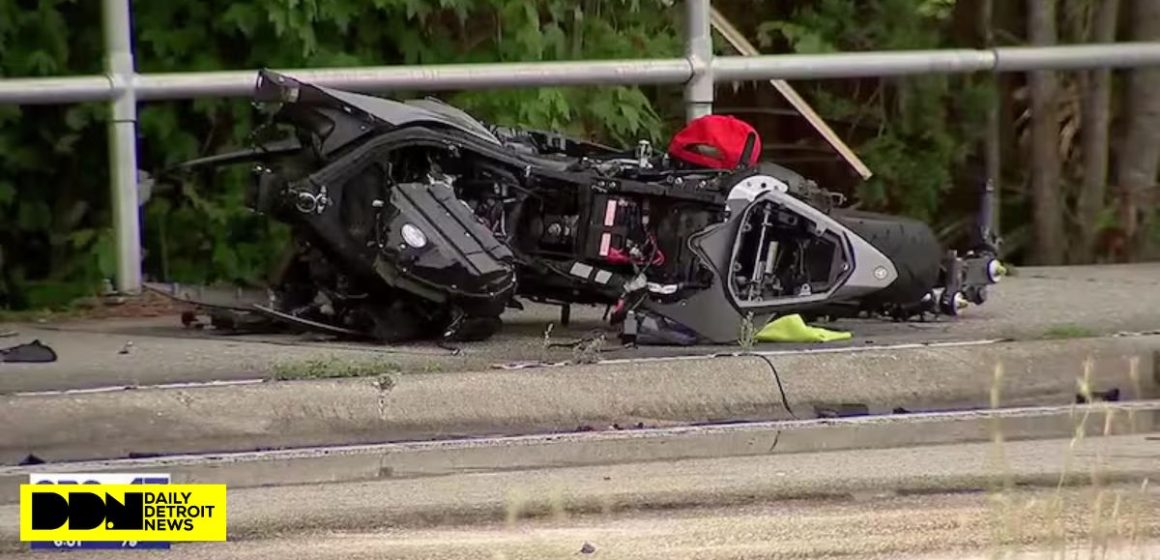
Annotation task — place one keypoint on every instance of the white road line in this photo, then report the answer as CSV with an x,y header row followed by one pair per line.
x,y
800,351
115,388
731,352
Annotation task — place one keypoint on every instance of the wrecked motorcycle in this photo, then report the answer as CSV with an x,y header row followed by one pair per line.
x,y
415,220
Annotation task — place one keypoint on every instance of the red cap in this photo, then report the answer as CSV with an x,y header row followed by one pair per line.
x,y
715,141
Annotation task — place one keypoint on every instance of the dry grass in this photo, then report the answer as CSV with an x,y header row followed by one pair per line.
x,y
1110,520
747,332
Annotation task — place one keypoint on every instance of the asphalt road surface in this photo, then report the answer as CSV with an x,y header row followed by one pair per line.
x,y
1123,522
1031,525
1038,302
888,503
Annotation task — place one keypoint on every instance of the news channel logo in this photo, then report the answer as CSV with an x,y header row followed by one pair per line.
x,y
119,511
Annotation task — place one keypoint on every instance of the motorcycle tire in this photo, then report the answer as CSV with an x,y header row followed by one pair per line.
x,y
473,329
398,323
910,244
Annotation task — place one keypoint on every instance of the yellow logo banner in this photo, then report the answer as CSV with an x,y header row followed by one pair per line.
x,y
123,512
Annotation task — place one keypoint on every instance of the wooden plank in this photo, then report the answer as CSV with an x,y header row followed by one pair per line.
x,y
745,48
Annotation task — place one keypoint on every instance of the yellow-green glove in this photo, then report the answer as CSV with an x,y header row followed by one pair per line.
x,y
791,328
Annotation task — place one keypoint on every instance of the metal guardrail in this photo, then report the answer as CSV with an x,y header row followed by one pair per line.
x,y
694,75
698,71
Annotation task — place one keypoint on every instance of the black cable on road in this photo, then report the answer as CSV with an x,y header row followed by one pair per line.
x,y
772,369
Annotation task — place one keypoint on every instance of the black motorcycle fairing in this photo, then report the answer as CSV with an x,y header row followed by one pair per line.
x,y
339,118
260,153
452,251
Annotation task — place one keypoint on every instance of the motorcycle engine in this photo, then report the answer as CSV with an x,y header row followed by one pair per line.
x,y
558,232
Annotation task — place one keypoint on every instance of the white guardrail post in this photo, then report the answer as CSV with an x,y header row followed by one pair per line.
x,y
699,51
123,144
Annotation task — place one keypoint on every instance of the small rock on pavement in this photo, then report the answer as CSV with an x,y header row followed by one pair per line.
x,y
587,548
126,348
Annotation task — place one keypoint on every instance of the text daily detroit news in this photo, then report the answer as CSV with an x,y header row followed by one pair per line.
x,y
135,510
122,508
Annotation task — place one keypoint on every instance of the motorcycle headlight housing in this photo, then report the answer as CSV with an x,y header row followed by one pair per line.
x,y
414,236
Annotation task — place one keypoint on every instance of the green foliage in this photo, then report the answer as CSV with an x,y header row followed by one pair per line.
x,y
54,215
920,128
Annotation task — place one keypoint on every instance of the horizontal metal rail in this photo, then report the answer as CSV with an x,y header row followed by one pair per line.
x,y
605,72
697,71
946,61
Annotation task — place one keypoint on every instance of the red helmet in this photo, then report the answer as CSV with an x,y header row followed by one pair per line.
x,y
715,141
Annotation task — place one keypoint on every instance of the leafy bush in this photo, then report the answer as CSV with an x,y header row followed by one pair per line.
x,y
917,130
55,238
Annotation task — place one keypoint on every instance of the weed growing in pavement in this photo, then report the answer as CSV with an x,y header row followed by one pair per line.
x,y
1137,389
384,383
1068,331
332,367
547,342
588,351
747,335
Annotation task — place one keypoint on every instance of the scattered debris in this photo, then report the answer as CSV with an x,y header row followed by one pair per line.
x,y
529,365
587,549
1111,395
638,426
33,352
843,410
1128,333
126,348
189,320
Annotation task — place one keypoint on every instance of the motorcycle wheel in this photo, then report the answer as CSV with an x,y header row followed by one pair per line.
x,y
910,244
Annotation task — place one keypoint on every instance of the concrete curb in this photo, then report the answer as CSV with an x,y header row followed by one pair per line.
x,y
75,427
406,460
